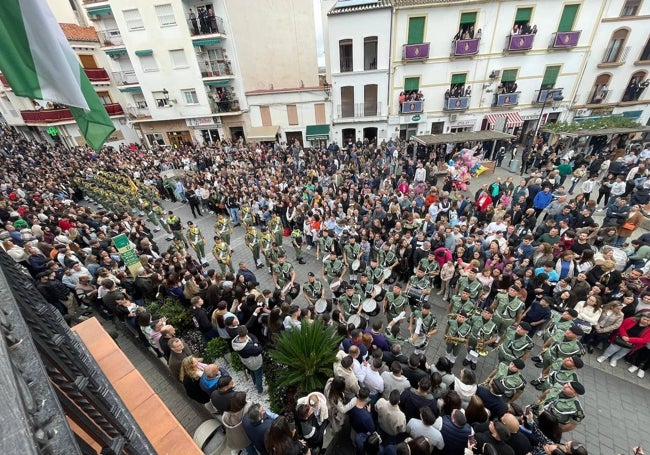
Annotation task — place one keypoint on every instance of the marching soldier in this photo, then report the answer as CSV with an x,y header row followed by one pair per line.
x,y
246,217
387,257
482,334
375,276
564,345
562,371
266,243
516,343
350,303
561,411
325,243
223,227
430,266
364,287
222,253
276,228
461,303
197,241
153,216
274,254
508,309
177,246
470,282
333,268
508,374
426,326
252,240
296,241
174,223
283,273
418,288
351,252
456,335
313,289
395,302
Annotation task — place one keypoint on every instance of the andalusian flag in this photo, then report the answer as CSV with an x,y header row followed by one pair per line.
x,y
39,63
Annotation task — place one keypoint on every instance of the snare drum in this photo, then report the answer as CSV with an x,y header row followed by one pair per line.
x,y
370,307
387,273
355,265
335,285
377,290
321,306
355,320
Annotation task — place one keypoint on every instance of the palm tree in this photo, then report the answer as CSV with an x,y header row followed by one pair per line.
x,y
305,356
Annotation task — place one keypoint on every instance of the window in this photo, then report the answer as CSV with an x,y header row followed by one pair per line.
x,y
370,100
568,18
550,77
615,46
411,84
265,113
345,55
165,15
522,19
105,97
631,8
156,138
508,82
600,89
88,61
178,58
148,63
161,99
319,113
189,96
139,101
645,55
437,127
292,114
638,83
466,29
133,19
347,101
457,87
370,53
416,30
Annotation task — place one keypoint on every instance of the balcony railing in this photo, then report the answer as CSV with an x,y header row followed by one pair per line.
x,y
97,74
87,2
216,68
114,109
346,64
109,38
565,39
225,106
415,51
459,103
412,107
3,79
464,47
359,110
506,99
518,43
122,78
47,115
210,25
541,95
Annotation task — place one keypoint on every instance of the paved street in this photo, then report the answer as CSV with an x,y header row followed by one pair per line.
x,y
616,403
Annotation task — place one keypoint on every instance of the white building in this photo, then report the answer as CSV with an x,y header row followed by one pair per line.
x,y
615,79
358,49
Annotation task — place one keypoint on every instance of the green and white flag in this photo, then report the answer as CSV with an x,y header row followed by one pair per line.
x,y
39,63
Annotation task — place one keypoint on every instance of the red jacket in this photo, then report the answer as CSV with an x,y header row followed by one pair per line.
x,y
638,342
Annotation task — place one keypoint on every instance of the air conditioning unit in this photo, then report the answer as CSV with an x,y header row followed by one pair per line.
x,y
495,74
583,112
453,117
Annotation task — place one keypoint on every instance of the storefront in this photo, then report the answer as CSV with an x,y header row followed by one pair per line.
x,y
263,134
206,129
318,135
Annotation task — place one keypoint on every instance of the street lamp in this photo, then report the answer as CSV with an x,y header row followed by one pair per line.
x,y
555,95
327,89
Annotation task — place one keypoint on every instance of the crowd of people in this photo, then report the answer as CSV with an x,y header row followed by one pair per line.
x,y
511,262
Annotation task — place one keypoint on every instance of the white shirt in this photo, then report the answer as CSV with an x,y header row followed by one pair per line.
x,y
373,380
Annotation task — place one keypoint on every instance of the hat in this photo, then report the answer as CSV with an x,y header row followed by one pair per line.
x,y
519,364
42,274
473,270
431,252
468,290
577,361
310,274
515,288
579,388
396,284
489,310
498,388
426,306
462,313
224,381
189,223
572,312
524,325
576,330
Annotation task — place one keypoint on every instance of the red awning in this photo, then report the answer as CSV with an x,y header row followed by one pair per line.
x,y
513,119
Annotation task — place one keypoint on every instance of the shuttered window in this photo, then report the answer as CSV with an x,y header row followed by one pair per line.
x,y
568,18
523,15
509,76
133,19
319,113
550,76
416,30
292,114
411,84
458,78
468,18
165,15
178,58
265,113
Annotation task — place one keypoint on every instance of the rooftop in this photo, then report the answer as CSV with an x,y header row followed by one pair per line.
x,y
75,32
403,3
351,6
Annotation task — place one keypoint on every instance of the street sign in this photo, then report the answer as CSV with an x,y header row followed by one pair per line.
x,y
52,131
415,118
128,253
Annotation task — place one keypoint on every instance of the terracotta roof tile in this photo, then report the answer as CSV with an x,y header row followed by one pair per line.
x,y
75,32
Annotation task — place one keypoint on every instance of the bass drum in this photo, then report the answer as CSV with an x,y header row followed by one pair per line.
x,y
321,306
294,291
370,307
355,320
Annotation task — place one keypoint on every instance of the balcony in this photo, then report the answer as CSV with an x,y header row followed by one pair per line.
x,y
547,95
465,47
206,25
223,107
459,103
563,40
47,115
123,78
519,43
352,111
506,99
411,52
216,68
346,64
412,107
109,38
4,82
97,74
90,2
114,109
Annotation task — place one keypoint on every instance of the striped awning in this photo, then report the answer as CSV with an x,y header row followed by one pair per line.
x,y
513,119
100,11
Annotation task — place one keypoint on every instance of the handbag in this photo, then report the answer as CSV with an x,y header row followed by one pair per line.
x,y
618,341
629,226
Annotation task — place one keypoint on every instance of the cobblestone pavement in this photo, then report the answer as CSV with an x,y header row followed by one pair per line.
x,y
616,403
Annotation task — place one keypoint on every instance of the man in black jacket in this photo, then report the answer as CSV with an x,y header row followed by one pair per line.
x,y
250,353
